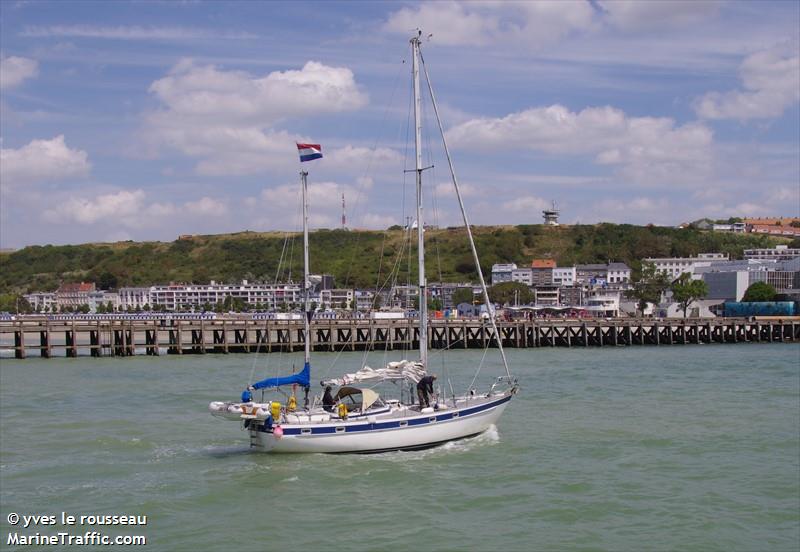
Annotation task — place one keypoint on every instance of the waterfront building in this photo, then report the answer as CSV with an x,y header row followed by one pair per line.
x,y
523,276
673,267
602,302
546,296
444,291
784,281
564,276
727,286
542,272
403,297
618,274
585,274
729,280
501,272
133,298
365,299
75,295
174,297
777,253
337,298
41,301
571,295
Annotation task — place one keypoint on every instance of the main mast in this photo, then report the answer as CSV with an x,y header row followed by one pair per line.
x,y
423,298
306,284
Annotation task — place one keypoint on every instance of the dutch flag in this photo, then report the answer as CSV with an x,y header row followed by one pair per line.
x,y
309,152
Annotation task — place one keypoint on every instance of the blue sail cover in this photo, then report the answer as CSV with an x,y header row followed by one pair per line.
x,y
302,378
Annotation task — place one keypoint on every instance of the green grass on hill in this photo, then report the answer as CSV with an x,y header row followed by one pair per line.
x,y
353,257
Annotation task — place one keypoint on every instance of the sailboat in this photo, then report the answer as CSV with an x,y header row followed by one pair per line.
x,y
357,418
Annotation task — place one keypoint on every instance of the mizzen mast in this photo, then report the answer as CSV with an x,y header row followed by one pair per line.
x,y
307,314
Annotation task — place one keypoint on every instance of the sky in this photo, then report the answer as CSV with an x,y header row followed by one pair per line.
x,y
145,120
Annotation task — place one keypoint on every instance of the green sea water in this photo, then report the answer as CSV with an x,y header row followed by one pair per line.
x,y
636,448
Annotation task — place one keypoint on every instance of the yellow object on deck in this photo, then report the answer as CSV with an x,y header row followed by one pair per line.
x,y
275,410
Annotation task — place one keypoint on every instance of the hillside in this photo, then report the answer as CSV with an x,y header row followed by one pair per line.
x,y
353,257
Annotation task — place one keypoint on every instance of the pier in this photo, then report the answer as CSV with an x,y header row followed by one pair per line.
x,y
102,338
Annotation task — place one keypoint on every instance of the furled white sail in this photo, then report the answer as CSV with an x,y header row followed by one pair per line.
x,y
404,369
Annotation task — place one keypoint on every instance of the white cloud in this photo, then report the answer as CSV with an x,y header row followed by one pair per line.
x,y
228,118
450,23
207,206
446,189
321,196
477,23
42,160
365,182
643,15
119,206
526,204
771,81
14,70
131,32
127,208
279,207
376,221
644,209
734,200
352,156
647,149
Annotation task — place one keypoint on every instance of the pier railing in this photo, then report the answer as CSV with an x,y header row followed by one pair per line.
x,y
80,337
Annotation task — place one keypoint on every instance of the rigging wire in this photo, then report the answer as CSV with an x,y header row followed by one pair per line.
x,y
368,168
466,224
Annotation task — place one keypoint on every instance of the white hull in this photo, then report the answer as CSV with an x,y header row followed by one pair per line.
x,y
410,431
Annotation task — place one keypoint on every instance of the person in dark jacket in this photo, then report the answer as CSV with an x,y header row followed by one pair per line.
x,y
327,400
424,389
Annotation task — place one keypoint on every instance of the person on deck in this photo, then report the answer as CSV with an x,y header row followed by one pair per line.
x,y
327,400
424,389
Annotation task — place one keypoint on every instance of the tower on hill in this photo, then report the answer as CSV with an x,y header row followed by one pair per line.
x,y
551,216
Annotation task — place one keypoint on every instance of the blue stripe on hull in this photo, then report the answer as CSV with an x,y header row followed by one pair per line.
x,y
408,448
395,424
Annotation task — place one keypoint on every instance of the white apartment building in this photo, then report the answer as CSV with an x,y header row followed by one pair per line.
x,y
133,297
521,275
675,266
777,253
618,273
183,296
337,298
546,296
365,299
41,301
402,297
502,272
603,303
564,276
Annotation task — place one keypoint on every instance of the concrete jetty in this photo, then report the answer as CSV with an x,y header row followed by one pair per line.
x,y
101,338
